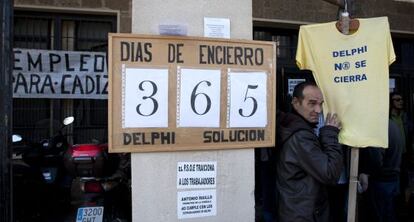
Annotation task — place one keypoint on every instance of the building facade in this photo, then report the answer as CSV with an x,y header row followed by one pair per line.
x,y
82,26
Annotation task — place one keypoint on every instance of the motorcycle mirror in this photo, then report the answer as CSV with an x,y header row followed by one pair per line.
x,y
16,138
68,120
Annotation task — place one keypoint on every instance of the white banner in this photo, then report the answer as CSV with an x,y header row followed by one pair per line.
x,y
59,74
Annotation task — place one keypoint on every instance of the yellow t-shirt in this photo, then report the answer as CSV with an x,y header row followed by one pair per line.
x,y
352,73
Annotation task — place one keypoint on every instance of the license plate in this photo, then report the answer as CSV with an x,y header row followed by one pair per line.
x,y
89,214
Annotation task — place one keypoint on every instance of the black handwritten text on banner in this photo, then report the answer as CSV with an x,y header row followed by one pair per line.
x,y
59,74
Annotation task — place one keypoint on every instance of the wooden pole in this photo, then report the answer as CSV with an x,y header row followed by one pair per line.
x,y
353,183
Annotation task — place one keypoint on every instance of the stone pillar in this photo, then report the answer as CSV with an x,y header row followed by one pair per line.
x,y
6,105
154,175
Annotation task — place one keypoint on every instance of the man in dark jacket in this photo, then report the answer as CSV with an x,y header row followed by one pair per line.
x,y
306,163
400,118
383,168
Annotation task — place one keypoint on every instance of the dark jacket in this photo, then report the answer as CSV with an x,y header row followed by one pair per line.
x,y
305,164
407,126
383,165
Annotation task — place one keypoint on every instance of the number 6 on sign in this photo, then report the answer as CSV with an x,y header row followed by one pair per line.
x,y
247,105
145,98
199,98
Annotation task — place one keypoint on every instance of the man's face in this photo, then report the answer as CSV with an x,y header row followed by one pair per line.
x,y
311,105
397,102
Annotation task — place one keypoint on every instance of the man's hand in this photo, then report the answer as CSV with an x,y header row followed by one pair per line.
x,y
332,120
363,179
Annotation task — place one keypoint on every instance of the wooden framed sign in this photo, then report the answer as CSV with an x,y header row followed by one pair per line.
x,y
169,93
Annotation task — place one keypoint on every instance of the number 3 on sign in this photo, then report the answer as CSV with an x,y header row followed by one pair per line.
x,y
145,98
248,106
199,98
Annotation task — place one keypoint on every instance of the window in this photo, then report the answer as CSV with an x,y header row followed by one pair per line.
x,y
33,33
70,32
286,41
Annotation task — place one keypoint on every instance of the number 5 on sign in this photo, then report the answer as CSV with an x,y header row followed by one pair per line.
x,y
199,98
247,105
145,98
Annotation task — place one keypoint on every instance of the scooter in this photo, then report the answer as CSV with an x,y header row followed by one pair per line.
x,y
40,183
52,150
100,189
28,183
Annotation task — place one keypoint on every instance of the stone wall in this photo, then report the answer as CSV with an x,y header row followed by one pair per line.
x,y
400,13
123,6
294,10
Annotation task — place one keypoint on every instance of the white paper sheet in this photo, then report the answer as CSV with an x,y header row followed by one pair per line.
x,y
198,203
191,175
292,83
217,27
391,84
248,105
199,98
145,95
